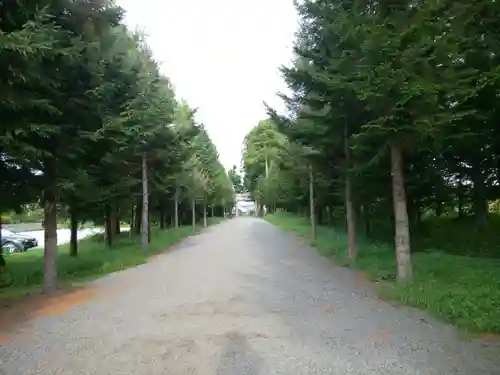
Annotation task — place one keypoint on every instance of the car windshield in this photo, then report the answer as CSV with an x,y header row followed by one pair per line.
x,y
6,232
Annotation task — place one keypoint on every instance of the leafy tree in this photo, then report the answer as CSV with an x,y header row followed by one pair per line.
x,y
93,129
393,100
236,180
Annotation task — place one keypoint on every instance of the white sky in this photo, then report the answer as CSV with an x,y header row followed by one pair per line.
x,y
222,56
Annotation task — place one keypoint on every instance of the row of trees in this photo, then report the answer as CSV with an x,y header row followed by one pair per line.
x,y
236,180
393,115
91,127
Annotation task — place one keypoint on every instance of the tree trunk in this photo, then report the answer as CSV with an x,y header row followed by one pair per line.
x,y
193,214
204,214
439,208
162,217
138,216
145,202
117,222
319,215
108,226
312,214
460,198
184,214
479,196
149,230
50,245
132,222
349,208
73,242
402,231
113,218
415,213
176,207
2,259
365,214
169,213
328,216
212,211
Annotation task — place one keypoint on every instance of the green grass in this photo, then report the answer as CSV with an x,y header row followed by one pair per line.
x,y
464,290
24,271
453,235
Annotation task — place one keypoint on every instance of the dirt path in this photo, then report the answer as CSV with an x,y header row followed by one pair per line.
x,y
241,298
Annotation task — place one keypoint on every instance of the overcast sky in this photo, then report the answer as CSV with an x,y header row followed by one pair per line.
x,y
222,56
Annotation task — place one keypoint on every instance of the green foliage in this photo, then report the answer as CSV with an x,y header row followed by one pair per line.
x,y
236,180
373,84
263,146
82,101
406,76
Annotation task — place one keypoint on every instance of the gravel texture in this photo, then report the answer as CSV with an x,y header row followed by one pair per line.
x,y
241,298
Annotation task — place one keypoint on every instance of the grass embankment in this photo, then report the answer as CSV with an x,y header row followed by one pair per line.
x,y
24,271
461,289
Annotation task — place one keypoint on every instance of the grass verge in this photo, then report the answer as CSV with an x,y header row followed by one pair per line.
x,y
24,271
459,289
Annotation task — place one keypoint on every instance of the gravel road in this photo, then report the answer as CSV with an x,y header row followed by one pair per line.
x,y
241,298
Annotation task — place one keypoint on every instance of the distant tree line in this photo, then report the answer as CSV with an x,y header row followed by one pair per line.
x,y
92,128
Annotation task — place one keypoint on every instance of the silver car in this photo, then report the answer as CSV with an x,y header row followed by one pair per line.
x,y
17,242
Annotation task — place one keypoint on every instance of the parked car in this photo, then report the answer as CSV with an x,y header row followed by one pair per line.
x,y
17,242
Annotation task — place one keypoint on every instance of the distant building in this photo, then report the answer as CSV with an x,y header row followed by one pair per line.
x,y
244,204
243,197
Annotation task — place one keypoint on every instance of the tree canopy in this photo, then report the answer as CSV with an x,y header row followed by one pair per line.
x,y
236,180
391,118
88,117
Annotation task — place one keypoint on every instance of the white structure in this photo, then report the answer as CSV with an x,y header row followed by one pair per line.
x,y
243,197
244,205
